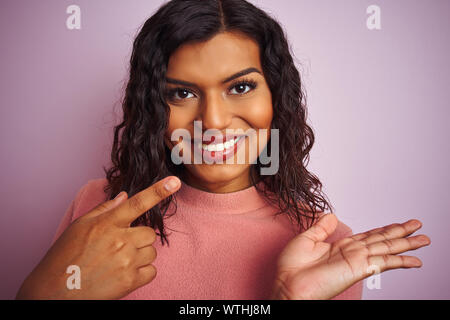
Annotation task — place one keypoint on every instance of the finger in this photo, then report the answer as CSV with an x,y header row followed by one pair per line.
x,y
396,246
141,202
107,205
141,236
322,229
392,231
363,235
145,274
388,262
145,256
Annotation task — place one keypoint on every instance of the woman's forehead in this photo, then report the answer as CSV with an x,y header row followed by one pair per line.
x,y
217,58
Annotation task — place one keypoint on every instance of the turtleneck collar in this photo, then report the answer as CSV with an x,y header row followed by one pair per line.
x,y
237,202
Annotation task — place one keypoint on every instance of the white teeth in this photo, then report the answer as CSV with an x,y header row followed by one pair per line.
x,y
219,146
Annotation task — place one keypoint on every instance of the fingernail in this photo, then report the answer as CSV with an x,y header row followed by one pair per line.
x,y
416,224
119,195
425,240
171,185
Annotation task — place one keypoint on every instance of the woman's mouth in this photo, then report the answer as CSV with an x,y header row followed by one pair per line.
x,y
214,152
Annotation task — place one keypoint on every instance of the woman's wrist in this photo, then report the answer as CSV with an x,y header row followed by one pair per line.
x,y
36,289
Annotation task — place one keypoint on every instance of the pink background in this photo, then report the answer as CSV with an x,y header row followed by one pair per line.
x,y
378,104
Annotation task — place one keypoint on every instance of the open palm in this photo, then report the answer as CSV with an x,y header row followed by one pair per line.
x,y
310,268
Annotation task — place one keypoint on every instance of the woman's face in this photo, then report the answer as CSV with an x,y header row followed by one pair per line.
x,y
220,103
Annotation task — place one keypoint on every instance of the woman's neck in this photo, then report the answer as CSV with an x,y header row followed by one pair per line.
x,y
239,183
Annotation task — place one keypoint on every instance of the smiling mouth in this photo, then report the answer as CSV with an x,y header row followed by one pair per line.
x,y
210,146
213,152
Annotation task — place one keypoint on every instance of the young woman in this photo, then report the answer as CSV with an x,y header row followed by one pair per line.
x,y
226,230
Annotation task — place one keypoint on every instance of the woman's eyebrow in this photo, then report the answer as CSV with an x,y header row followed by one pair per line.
x,y
228,79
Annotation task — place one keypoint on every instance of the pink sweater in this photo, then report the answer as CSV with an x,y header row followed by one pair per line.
x,y
221,246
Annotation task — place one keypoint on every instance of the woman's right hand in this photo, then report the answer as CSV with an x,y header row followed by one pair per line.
x,y
114,258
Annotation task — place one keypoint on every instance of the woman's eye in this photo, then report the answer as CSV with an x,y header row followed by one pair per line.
x,y
182,94
240,88
178,94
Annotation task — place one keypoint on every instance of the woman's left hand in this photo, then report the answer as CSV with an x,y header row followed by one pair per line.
x,y
309,268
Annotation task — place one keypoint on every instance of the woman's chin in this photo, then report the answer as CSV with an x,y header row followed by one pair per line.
x,y
217,173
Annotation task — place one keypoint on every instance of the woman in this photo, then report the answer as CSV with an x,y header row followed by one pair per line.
x,y
220,66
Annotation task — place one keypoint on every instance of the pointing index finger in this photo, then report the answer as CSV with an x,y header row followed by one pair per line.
x,y
141,202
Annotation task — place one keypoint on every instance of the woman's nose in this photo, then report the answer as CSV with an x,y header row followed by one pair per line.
x,y
215,113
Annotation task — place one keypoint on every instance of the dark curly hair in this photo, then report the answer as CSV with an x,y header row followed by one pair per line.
x,y
140,157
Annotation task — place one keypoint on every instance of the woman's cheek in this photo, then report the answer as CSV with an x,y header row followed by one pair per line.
x,y
177,120
259,113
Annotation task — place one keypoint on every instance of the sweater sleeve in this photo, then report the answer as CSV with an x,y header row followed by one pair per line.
x,y
355,291
88,197
68,216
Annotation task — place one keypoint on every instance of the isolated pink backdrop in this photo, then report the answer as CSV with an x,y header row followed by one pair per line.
x,y
378,104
